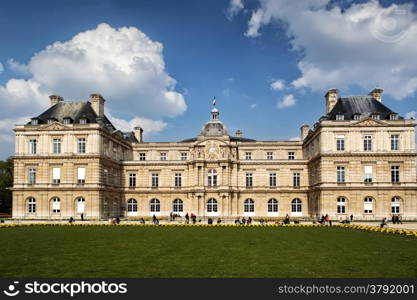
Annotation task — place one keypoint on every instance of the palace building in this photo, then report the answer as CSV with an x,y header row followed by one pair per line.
x,y
359,158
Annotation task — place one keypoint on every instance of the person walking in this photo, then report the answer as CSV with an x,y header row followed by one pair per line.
x,y
82,217
187,219
351,218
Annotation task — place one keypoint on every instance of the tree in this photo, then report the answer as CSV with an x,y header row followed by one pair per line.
x,y
6,183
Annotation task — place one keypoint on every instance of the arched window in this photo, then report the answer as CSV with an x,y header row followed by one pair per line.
x,y
341,205
132,205
272,205
212,178
211,205
31,205
155,205
56,205
368,205
395,205
249,205
296,206
80,205
177,205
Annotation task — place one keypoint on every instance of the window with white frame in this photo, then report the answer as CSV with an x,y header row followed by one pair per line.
x,y
132,179
31,205
272,205
212,205
395,205
178,180
80,205
340,143
395,142
142,156
81,145
67,121
32,176
32,146
56,146
376,116
296,179
212,178
340,117
80,175
291,155
296,206
83,121
132,206
56,205
184,156
56,175
106,176
395,174
269,155
248,155
249,206
272,179
163,156
155,179
341,205
249,180
393,117
155,205
356,117
340,174
177,206
368,205
368,174
367,143
34,122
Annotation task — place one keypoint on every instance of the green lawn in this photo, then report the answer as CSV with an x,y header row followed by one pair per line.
x,y
204,252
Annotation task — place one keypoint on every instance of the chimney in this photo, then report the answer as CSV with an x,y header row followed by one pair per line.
x,y
377,94
238,133
97,103
138,131
331,99
55,99
304,131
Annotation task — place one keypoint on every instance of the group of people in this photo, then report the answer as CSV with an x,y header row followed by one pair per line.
x,y
243,221
193,218
72,220
395,220
325,220
211,221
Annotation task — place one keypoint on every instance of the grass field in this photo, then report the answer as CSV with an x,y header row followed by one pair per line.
x,y
204,252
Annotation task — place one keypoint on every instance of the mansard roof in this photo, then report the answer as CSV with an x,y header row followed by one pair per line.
x,y
362,105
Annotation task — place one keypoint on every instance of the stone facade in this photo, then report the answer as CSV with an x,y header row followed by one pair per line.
x,y
101,172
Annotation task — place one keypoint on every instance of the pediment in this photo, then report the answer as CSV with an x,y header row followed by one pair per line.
x,y
369,122
54,126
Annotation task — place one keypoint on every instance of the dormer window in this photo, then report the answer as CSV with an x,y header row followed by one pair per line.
x,y
83,120
340,117
376,116
356,117
50,121
67,120
393,117
34,122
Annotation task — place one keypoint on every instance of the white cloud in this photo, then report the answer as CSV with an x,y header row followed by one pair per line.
x,y
287,101
296,138
149,126
226,92
253,106
17,67
411,114
278,85
235,7
1,68
6,127
363,45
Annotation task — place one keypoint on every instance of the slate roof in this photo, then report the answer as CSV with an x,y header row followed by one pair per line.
x,y
232,139
363,105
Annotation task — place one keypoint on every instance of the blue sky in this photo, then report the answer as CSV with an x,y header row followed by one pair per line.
x,y
268,62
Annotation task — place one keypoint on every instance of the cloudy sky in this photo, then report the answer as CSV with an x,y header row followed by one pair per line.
x,y
159,63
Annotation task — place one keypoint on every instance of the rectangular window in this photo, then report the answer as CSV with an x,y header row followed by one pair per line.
x,y
163,156
178,180
105,176
296,179
81,145
291,155
272,179
340,142
376,117
32,146
368,174
395,174
269,155
67,121
32,176
81,175
340,117
249,180
184,155
56,146
142,156
248,155
356,117
340,174
393,117
132,179
367,143
56,175
155,180
395,139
